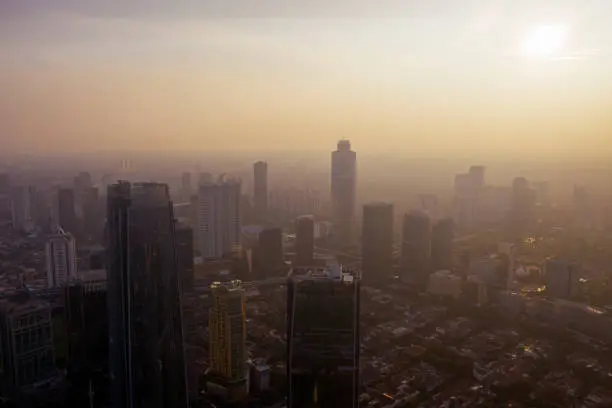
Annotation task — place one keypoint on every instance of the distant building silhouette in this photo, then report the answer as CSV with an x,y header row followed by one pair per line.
x,y
186,189
442,237
343,188
323,340
377,242
304,240
260,190
415,254
146,359
219,219
21,207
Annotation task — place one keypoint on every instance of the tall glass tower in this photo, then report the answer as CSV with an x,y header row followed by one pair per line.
x,y
147,363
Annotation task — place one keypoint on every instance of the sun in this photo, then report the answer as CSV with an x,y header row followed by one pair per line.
x,y
545,41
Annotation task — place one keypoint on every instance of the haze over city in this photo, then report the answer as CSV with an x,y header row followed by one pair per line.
x,y
419,77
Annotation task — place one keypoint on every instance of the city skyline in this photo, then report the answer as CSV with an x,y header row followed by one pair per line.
x,y
489,78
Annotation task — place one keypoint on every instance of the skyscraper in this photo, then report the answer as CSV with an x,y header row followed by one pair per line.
x,y
377,241
227,323
304,240
66,210
323,340
145,335
260,190
416,248
343,186
219,219
442,237
61,258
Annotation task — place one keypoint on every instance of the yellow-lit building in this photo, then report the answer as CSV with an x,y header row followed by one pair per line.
x,y
228,332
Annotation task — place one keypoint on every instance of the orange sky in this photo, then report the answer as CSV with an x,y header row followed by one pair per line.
x,y
76,79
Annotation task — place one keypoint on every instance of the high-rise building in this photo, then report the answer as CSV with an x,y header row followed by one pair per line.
x,y
227,323
343,186
26,343
416,248
184,254
66,211
5,197
522,215
270,249
61,258
82,181
219,219
21,207
561,278
304,240
442,237
146,357
323,339
260,190
377,242
204,178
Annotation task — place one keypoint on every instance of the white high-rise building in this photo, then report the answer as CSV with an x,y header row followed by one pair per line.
x,y
61,258
343,186
218,218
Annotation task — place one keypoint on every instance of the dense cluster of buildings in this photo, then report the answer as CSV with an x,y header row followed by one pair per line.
x,y
128,299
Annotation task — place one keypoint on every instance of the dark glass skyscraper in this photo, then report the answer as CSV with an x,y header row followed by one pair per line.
x,y
377,241
304,240
145,336
270,252
260,190
323,340
416,247
184,253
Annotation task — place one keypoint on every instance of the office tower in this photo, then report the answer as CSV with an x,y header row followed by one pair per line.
x,y
429,204
377,242
416,248
260,190
304,240
542,193
184,254
442,238
270,249
5,197
561,278
219,219
61,258
26,343
21,208
82,181
66,210
323,340
186,186
146,357
227,323
343,186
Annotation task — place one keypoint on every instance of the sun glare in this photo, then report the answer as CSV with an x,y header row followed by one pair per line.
x,y
545,41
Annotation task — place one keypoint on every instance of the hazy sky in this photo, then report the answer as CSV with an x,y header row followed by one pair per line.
x,y
414,76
